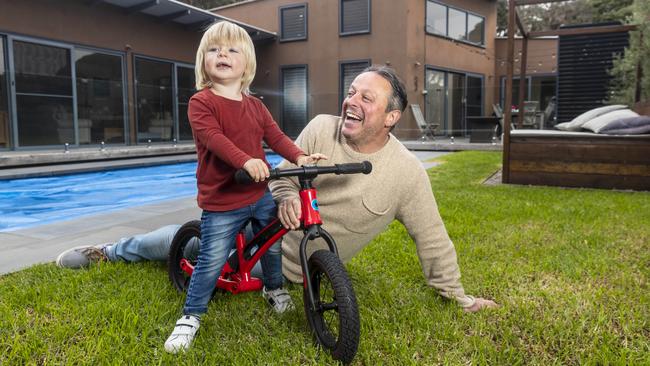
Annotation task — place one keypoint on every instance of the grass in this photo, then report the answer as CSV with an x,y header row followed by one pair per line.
x,y
568,266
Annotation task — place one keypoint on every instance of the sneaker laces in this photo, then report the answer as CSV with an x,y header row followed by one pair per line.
x,y
94,254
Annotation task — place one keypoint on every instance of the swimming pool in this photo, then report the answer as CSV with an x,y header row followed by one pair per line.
x,y
30,202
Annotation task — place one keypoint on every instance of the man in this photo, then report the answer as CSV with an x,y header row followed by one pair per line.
x,y
356,208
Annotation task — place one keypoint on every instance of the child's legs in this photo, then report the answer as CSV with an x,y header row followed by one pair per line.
x,y
264,211
218,231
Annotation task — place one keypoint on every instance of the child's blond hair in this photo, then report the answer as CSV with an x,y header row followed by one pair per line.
x,y
225,33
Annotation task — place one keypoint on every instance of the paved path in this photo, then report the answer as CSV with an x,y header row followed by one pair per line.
x,y
23,248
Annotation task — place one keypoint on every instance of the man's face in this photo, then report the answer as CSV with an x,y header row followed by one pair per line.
x,y
365,120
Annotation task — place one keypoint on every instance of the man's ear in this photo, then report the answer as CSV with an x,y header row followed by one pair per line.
x,y
392,118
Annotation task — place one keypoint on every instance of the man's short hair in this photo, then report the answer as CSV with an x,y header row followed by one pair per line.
x,y
398,98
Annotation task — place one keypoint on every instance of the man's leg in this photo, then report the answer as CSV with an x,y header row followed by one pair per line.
x,y
149,246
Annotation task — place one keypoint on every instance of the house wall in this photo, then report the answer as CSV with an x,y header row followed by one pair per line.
x,y
397,39
100,26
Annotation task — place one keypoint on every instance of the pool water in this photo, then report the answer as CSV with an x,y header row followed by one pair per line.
x,y
35,201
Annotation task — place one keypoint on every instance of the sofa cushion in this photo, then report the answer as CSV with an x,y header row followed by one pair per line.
x,y
598,123
628,126
576,123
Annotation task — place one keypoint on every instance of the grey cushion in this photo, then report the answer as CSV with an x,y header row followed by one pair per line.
x,y
598,123
576,123
628,126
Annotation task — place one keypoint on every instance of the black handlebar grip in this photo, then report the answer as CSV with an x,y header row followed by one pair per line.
x,y
242,177
364,167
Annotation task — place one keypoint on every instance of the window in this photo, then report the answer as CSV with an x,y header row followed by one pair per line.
x,y
44,98
100,97
475,27
347,72
4,103
294,99
154,100
185,84
436,18
354,17
293,22
454,23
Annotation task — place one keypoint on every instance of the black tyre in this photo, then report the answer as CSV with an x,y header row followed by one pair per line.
x,y
181,250
335,323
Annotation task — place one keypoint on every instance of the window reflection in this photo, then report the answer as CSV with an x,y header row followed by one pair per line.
x,y
43,94
155,100
185,83
4,103
100,97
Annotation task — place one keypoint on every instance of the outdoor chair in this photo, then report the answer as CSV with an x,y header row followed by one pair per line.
x,y
426,128
498,112
532,115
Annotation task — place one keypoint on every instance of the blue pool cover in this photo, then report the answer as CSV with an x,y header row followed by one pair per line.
x,y
35,201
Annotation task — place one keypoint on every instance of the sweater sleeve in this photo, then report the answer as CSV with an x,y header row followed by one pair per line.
x,y
208,131
276,139
419,214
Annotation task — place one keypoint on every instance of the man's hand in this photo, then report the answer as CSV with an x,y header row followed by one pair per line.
x,y
310,159
257,169
289,212
479,304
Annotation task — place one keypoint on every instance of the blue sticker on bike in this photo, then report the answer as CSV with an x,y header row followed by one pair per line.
x,y
314,204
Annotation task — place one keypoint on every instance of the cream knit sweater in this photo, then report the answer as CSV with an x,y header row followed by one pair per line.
x,y
356,208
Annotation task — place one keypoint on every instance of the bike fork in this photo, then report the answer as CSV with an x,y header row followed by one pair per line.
x,y
311,233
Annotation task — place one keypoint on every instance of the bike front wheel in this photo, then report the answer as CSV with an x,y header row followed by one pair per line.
x,y
335,322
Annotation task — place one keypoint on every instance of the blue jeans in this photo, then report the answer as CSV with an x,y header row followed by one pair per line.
x,y
151,246
218,231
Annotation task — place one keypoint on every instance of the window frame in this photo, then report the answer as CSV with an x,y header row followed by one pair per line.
x,y
342,33
341,65
446,35
5,59
281,84
125,100
281,38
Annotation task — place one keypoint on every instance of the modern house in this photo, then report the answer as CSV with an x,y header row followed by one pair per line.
x,y
83,72
121,71
443,50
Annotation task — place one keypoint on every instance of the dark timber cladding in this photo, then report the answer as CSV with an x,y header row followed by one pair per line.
x,y
580,160
584,62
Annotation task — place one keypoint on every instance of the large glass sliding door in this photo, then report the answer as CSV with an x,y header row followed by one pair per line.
x,y
44,94
185,84
155,100
450,98
5,136
100,97
435,99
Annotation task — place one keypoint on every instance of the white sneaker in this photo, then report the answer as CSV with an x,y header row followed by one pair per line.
x,y
183,334
279,299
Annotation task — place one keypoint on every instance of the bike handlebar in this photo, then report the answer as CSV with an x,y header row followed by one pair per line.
x,y
242,176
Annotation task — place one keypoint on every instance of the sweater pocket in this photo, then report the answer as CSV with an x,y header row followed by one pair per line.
x,y
369,216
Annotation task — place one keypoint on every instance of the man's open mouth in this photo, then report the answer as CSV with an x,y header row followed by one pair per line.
x,y
352,117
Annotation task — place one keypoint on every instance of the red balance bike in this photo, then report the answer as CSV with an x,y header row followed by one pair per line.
x,y
329,300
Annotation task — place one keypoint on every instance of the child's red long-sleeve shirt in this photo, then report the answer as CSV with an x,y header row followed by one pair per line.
x,y
227,133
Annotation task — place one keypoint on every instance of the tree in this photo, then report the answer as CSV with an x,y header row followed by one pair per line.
x,y
631,73
551,16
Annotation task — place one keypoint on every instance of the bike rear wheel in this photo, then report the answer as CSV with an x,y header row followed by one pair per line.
x,y
183,247
335,322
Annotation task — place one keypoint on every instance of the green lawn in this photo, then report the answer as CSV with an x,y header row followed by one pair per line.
x,y
569,267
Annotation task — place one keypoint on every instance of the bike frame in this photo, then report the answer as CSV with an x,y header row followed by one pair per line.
x,y
236,274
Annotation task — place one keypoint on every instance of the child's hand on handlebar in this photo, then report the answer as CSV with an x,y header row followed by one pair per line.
x,y
257,169
310,159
